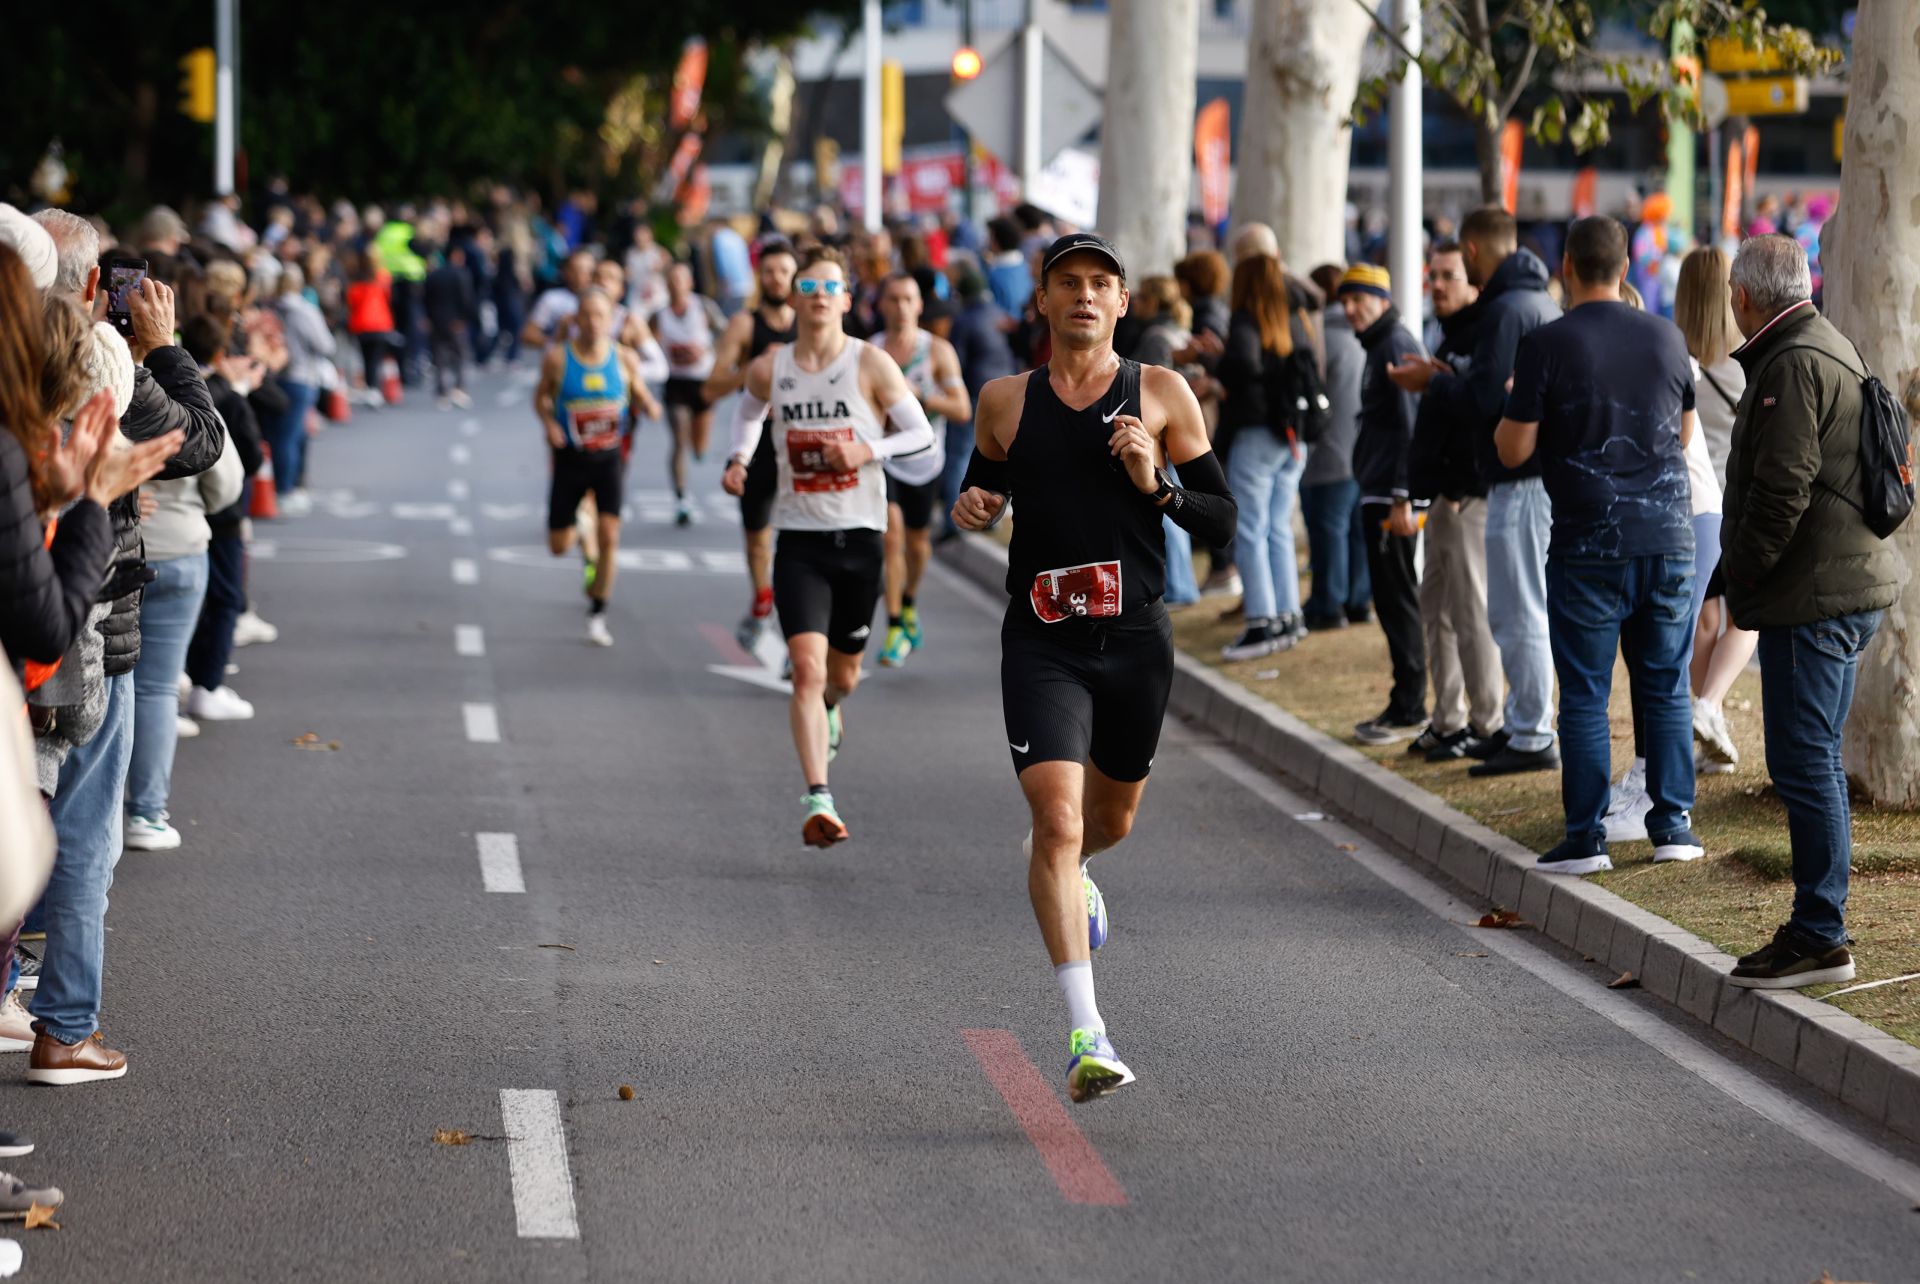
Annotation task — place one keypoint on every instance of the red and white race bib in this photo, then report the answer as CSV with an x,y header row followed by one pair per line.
x,y
1092,590
596,427
685,354
806,453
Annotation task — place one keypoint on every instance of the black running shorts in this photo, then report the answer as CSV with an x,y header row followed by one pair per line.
x,y
763,482
916,502
1086,690
577,472
684,392
828,582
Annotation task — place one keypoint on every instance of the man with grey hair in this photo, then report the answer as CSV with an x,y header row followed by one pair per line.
x,y
91,778
1803,568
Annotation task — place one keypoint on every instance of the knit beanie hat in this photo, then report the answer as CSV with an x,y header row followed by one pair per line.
x,y
1365,278
30,241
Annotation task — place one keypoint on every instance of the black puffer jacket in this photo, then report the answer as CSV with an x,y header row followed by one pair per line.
x,y
168,393
1386,413
1442,461
45,593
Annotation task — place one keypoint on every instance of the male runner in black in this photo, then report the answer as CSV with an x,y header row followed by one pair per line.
x,y
1086,649
771,320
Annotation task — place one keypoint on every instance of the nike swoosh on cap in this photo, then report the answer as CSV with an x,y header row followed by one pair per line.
x,y
1107,419
1019,748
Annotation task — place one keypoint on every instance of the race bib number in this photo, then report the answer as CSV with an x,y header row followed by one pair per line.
x,y
685,354
1092,590
806,453
596,427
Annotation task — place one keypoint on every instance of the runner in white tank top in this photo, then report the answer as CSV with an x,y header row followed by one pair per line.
x,y
932,370
687,326
832,397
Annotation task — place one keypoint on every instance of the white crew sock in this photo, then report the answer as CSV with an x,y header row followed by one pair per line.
x,y
1076,982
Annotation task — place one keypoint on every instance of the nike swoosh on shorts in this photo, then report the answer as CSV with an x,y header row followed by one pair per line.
x,y
1107,419
1019,748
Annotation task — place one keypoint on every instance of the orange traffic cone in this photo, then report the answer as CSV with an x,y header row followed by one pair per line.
x,y
390,381
265,502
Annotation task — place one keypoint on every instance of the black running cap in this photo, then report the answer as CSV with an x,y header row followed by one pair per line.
x,y
1073,243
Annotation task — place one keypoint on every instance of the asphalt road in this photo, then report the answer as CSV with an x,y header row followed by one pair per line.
x,y
846,1065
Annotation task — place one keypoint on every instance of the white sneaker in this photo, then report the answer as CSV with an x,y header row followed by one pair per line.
x,y
1632,786
185,686
185,728
222,704
597,631
1705,766
150,834
296,503
460,398
1629,824
250,628
1715,737
16,1025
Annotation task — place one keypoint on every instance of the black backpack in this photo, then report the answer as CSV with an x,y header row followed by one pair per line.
x,y
1297,392
1886,454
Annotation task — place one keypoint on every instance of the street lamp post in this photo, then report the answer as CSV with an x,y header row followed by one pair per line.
x,y
224,21
870,177
1404,177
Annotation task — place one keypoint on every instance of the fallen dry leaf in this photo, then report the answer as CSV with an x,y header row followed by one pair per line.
x,y
1348,847
1625,981
1469,954
451,1137
557,946
40,1215
659,962
1499,918
626,1092
311,740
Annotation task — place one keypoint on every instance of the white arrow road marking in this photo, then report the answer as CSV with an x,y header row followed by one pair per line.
x,y
434,511
753,675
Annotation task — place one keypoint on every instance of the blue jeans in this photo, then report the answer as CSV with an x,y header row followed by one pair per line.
x,y
1519,523
1336,549
1806,688
1264,473
287,436
959,456
73,909
1591,604
1183,587
168,611
226,598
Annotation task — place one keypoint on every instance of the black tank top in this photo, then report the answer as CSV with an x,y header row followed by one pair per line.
x,y
765,336
1086,542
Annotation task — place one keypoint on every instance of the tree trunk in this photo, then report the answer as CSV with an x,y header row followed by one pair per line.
x,y
1303,69
1486,129
1146,138
1870,256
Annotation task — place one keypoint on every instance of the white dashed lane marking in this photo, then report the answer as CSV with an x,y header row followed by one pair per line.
x,y
469,639
537,1154
483,723
500,862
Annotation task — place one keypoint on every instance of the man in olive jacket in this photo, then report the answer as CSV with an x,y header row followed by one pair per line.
x,y
1803,568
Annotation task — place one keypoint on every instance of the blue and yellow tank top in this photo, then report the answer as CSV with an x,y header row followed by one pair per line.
x,y
592,404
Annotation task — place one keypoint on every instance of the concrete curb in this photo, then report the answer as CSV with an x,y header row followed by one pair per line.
x,y
1873,1072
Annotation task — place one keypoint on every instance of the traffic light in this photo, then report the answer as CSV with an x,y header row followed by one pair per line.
x,y
196,85
966,63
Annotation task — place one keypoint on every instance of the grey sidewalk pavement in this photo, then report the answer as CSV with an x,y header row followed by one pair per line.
x,y
1871,1071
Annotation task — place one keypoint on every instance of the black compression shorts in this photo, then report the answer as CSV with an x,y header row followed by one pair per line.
x,y
684,392
1086,690
829,582
575,473
916,502
763,483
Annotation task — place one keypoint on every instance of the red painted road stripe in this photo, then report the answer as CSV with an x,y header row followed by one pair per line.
x,y
722,640
1068,1155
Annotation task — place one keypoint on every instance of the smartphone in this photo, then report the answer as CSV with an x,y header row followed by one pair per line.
x,y
123,278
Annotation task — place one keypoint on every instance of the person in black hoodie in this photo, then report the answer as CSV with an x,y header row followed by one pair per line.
x,y
230,378
1513,303
1387,508
1462,660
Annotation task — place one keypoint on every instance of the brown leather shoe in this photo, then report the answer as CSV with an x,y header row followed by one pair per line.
x,y
57,1064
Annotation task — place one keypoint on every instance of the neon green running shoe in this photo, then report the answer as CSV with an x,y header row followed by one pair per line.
x,y
898,647
823,826
1096,1070
836,731
910,621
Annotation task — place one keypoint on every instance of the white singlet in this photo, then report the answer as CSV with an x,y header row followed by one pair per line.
x,y
922,466
688,339
807,411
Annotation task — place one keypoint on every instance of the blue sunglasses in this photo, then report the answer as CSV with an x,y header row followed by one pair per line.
x,y
815,285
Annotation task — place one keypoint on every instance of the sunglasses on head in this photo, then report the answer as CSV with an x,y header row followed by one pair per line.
x,y
815,285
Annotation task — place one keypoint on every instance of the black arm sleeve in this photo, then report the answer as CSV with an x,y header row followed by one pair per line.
x,y
989,474
1202,505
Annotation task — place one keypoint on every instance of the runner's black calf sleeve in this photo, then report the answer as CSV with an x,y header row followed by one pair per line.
x,y
1202,505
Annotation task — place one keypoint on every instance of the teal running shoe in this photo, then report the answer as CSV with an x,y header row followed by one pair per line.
x,y
910,621
836,731
898,647
1096,1070
823,826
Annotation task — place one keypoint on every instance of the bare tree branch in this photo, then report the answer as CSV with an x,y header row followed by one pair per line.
x,y
1393,37
1521,76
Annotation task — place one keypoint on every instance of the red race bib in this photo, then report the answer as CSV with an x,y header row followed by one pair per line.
x,y
1091,590
806,454
596,427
